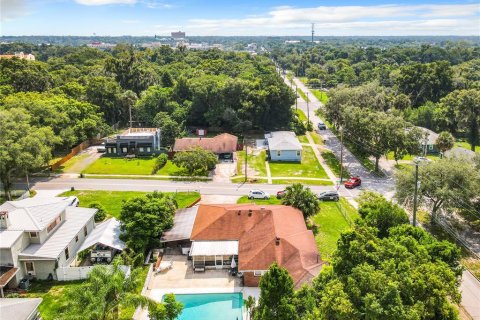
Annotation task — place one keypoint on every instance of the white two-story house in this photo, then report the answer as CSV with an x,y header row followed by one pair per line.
x,y
39,235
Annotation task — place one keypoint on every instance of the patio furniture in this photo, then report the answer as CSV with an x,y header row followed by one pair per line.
x,y
166,265
199,269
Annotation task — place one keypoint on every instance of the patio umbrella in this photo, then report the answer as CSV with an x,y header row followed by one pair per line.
x,y
234,264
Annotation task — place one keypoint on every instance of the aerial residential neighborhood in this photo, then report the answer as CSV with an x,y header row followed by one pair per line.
x,y
239,161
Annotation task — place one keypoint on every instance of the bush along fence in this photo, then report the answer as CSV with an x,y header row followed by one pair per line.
x,y
82,146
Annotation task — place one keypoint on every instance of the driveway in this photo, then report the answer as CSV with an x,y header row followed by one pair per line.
x,y
224,171
82,160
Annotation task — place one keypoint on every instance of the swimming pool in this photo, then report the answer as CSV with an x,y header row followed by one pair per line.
x,y
208,306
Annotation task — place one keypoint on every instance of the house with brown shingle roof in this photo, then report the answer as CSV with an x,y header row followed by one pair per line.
x,y
223,145
254,237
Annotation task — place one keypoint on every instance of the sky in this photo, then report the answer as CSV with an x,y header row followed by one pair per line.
x,y
239,17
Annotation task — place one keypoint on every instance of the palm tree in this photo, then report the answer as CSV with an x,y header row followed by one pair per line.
x,y
250,305
302,198
445,141
106,288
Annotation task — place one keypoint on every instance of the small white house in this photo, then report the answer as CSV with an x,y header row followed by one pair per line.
x,y
284,146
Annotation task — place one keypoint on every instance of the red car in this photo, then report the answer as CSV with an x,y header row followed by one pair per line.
x,y
353,182
280,194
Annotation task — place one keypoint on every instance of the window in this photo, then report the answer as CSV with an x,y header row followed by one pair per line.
x,y
257,273
76,238
148,149
140,149
430,147
30,267
66,253
52,225
85,231
124,150
279,153
33,234
114,150
298,153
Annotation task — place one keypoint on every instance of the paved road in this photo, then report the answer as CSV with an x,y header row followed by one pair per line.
x,y
470,288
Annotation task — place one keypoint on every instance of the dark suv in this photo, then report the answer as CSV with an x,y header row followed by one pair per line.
x,y
329,195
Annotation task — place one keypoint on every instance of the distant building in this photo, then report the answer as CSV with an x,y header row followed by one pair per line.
x,y
140,141
101,45
19,55
284,146
178,35
429,141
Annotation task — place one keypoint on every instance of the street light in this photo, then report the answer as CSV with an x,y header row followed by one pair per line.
x,y
418,161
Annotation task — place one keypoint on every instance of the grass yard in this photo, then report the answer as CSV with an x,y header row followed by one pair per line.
x,y
273,200
303,95
303,139
67,166
112,200
334,164
256,162
55,298
241,179
466,145
309,168
138,166
330,223
320,95
301,115
317,139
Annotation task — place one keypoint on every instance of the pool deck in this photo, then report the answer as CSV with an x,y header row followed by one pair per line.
x,y
182,280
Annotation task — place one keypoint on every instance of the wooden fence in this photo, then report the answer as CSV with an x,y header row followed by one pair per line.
x,y
82,146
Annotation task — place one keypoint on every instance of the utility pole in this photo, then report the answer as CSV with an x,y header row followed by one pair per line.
x,y
246,158
130,113
341,154
296,98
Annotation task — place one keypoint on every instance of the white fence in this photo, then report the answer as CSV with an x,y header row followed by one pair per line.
x,y
79,273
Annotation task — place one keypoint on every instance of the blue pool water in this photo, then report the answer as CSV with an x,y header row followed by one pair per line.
x,y
211,306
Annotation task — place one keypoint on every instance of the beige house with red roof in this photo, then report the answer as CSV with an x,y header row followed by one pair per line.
x,y
253,236
223,145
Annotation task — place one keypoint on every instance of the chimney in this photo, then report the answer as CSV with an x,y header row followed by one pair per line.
x,y
4,220
277,241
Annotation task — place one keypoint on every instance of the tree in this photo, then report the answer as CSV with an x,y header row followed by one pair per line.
x,y
250,303
143,219
167,80
170,309
196,162
465,106
23,147
169,128
105,290
445,141
276,295
380,213
445,183
302,198
101,212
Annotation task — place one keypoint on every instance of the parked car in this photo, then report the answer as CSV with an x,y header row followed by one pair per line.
x,y
322,126
258,194
280,194
329,195
101,148
353,182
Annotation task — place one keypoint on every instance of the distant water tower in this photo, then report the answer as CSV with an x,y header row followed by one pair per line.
x,y
313,31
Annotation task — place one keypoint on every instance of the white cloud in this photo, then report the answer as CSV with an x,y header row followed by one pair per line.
x,y
351,20
10,9
104,2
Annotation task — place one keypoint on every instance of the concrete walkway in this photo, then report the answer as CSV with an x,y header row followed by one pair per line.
x,y
320,159
269,174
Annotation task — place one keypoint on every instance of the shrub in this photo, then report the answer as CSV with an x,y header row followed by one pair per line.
x,y
160,162
101,213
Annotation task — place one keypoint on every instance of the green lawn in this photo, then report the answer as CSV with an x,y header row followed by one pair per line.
x,y
330,223
317,139
304,80
138,166
273,200
320,95
309,168
334,164
55,298
303,95
256,162
112,200
303,139
241,179
301,115
66,167
466,145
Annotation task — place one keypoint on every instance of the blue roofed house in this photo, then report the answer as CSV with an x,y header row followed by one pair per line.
x,y
284,146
